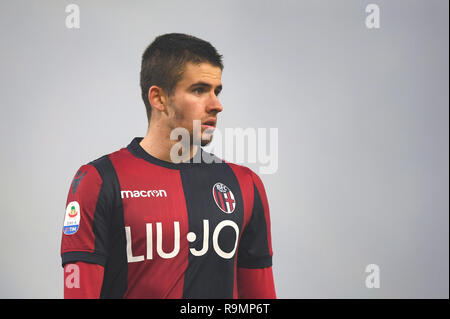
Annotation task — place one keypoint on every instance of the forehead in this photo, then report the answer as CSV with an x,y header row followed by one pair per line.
x,y
203,72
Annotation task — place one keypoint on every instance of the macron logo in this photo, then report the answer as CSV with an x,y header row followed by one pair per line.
x,y
149,193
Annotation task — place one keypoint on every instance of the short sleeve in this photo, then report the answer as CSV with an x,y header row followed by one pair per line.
x,y
86,225
255,247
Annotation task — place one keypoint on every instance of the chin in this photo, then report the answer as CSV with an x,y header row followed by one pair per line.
x,y
206,138
205,142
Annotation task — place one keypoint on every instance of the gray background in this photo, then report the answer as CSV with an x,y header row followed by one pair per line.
x,y
362,116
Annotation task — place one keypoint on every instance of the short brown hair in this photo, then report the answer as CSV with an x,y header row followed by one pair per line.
x,y
164,61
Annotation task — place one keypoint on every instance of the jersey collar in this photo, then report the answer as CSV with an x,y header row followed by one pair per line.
x,y
138,151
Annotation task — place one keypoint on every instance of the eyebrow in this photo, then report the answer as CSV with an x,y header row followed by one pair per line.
x,y
204,84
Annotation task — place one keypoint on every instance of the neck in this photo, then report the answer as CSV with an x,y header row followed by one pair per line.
x,y
158,144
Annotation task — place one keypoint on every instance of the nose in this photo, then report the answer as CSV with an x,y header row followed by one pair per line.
x,y
214,104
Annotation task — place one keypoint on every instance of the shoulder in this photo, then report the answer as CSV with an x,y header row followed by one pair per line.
x,y
240,171
104,165
245,172
96,172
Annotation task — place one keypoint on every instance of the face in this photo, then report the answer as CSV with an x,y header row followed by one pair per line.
x,y
196,98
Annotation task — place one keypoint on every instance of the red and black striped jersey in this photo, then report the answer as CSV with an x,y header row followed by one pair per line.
x,y
166,230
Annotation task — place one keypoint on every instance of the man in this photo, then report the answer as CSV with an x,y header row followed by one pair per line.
x,y
141,224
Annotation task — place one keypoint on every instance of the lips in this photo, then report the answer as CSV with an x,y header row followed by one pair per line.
x,y
210,122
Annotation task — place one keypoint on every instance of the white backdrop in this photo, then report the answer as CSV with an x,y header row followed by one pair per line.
x,y
362,118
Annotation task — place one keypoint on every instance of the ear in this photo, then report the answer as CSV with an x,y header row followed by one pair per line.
x,y
157,98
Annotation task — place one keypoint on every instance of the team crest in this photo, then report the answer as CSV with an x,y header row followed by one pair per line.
x,y
72,218
224,198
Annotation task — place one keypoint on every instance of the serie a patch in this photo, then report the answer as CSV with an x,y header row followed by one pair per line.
x,y
72,218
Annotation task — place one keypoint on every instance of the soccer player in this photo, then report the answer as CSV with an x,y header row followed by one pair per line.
x,y
139,224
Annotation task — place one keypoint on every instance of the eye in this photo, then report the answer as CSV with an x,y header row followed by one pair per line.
x,y
197,90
